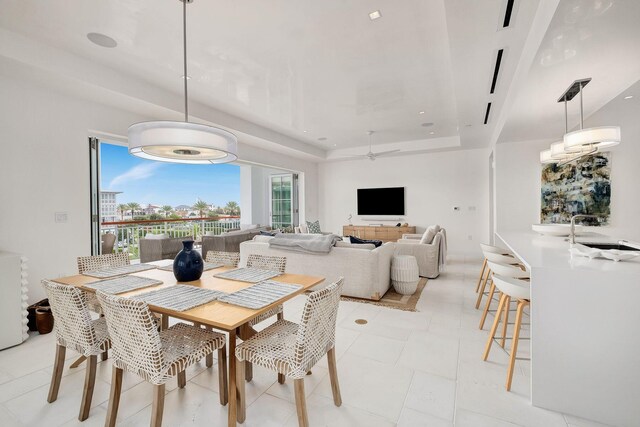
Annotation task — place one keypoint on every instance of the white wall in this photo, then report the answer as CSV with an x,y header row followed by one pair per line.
x,y
518,174
44,169
255,188
434,183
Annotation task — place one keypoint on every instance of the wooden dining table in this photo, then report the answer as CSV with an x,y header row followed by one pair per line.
x,y
232,319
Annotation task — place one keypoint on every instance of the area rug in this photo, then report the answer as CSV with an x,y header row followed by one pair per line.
x,y
392,299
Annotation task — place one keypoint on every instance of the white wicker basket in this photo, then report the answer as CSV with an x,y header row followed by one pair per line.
x,y
405,274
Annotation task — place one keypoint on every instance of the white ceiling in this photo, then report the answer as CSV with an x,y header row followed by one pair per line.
x,y
587,38
271,70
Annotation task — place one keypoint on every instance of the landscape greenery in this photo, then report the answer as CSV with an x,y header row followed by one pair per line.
x,y
200,209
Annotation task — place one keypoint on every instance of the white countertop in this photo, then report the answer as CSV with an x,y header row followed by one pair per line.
x,y
537,251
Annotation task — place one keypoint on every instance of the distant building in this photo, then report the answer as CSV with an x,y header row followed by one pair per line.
x,y
109,206
151,209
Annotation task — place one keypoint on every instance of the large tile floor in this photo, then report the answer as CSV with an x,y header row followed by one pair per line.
x,y
401,368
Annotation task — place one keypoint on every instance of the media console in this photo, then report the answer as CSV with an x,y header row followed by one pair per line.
x,y
386,233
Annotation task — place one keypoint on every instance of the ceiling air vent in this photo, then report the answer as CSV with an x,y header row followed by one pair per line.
x,y
507,13
496,70
486,115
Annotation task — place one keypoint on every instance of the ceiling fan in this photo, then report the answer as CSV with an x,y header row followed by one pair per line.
x,y
371,155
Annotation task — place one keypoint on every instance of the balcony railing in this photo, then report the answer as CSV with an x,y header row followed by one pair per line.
x,y
128,233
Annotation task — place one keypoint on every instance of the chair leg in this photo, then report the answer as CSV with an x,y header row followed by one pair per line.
x,y
209,358
89,383
248,371
494,328
280,316
164,322
484,285
182,379
281,379
514,344
333,376
507,303
301,402
78,362
484,266
158,405
223,385
242,400
105,355
56,377
114,397
487,306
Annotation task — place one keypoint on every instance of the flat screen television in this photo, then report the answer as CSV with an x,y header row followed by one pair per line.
x,y
381,201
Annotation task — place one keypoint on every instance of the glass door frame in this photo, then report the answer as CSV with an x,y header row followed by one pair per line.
x,y
293,199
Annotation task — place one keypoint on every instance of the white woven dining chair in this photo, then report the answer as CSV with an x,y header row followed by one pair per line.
x,y
76,330
97,262
229,259
273,263
292,349
155,356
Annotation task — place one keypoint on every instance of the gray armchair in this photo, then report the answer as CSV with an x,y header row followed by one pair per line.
x,y
156,249
228,242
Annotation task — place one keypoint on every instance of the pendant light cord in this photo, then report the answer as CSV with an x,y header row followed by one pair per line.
x,y
184,46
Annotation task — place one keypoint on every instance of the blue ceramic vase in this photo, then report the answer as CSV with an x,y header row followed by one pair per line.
x,y
188,264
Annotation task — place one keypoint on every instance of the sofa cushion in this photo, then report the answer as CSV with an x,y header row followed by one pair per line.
x,y
369,246
262,238
313,227
358,241
156,236
429,234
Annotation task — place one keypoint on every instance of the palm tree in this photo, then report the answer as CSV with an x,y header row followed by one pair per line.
x,y
122,208
201,206
133,206
232,208
167,210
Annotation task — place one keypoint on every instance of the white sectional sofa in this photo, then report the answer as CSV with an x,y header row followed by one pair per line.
x,y
366,270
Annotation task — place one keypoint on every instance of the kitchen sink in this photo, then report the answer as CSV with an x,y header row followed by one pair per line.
x,y
605,246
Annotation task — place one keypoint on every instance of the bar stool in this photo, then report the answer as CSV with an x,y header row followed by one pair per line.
x,y
488,248
507,271
519,290
491,255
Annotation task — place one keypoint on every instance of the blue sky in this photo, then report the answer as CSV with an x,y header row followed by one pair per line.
x,y
159,183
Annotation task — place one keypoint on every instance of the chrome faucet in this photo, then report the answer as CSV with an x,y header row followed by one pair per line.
x,y
572,236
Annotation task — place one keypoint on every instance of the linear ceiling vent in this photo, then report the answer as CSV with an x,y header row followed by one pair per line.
x,y
507,13
496,70
486,115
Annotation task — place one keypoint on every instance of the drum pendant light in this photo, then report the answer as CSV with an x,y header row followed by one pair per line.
x,y
182,141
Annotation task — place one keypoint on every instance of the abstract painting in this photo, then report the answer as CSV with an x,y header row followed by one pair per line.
x,y
580,187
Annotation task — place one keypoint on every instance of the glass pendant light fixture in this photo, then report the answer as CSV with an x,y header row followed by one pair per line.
x,y
598,138
182,141
582,142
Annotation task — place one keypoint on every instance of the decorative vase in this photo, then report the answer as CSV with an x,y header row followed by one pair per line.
x,y
188,264
44,320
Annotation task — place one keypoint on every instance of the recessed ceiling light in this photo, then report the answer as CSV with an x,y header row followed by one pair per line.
x,y
335,145
188,77
102,40
431,133
375,15
304,131
322,138
420,112
427,124
628,97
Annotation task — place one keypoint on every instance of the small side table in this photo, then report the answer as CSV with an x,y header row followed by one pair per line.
x,y
405,274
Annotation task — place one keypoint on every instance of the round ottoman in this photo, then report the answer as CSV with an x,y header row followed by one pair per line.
x,y
405,274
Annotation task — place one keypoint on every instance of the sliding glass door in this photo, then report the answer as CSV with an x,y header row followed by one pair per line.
x,y
284,201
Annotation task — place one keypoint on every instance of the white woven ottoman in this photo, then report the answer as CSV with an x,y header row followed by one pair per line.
x,y
405,274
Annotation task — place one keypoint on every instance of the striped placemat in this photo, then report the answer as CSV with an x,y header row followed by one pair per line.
x,y
248,274
122,284
179,297
106,272
207,266
260,295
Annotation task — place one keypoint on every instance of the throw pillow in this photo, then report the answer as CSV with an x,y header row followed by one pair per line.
x,y
427,237
358,241
303,229
314,227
